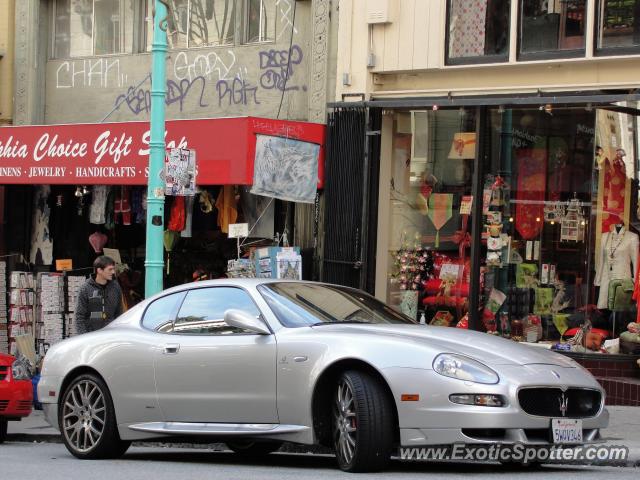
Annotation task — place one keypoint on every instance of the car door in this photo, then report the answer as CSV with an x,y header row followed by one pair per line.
x,y
208,371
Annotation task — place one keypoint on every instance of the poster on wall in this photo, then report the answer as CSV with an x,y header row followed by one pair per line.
x,y
286,169
180,172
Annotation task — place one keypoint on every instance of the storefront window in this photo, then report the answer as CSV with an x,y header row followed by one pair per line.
x,y
552,25
93,27
618,24
559,246
478,30
430,205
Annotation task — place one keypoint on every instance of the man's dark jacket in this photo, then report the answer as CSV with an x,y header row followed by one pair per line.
x,y
98,305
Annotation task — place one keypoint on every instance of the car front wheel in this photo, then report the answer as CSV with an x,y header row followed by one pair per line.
x,y
363,423
88,421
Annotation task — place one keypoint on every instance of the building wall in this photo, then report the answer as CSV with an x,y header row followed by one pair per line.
x,y
201,82
7,15
409,58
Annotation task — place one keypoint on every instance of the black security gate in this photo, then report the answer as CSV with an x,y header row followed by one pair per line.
x,y
351,193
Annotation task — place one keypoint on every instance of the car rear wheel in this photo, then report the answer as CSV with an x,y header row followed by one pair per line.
x,y
252,448
363,423
88,421
3,429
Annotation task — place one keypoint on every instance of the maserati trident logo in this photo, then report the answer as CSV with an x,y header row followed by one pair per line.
x,y
564,404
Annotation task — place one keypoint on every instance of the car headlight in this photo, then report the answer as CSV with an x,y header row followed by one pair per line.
x,y
464,368
19,371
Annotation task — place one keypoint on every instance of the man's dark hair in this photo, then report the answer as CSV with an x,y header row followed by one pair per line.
x,y
103,262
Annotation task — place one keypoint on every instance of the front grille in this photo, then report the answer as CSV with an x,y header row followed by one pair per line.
x,y
4,371
549,402
24,405
3,405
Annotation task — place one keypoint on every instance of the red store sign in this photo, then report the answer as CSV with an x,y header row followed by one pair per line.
x,y
118,153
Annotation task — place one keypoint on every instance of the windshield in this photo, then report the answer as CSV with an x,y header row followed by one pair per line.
x,y
306,304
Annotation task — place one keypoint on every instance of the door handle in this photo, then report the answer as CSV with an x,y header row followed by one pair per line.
x,y
171,348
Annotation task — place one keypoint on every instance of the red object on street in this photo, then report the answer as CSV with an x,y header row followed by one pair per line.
x,y
16,396
118,153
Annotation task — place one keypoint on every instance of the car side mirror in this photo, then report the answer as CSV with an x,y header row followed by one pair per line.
x,y
240,319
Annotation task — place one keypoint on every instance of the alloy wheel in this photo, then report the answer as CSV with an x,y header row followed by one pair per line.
x,y
84,415
345,424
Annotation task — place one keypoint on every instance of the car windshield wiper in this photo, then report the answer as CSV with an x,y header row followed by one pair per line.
x,y
338,322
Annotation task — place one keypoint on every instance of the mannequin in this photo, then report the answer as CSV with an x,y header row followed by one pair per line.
x,y
617,260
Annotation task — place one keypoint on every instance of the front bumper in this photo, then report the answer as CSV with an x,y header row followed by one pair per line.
x,y
16,399
435,420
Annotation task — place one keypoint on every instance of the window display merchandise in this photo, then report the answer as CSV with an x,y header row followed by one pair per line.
x,y
559,243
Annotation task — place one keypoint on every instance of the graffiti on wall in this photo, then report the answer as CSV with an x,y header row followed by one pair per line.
x,y
221,77
278,67
100,72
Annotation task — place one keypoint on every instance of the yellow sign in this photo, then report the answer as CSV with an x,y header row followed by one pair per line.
x,y
64,264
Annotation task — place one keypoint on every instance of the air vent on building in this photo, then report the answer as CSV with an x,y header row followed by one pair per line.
x,y
381,11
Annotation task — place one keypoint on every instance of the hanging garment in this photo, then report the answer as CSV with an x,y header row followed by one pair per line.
x,y
440,212
226,205
177,218
110,216
189,203
530,192
41,244
139,204
98,240
613,200
122,205
617,260
98,208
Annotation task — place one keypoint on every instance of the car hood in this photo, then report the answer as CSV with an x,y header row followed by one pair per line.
x,y
489,349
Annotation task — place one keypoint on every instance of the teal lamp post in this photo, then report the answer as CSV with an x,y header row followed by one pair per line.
x,y
154,262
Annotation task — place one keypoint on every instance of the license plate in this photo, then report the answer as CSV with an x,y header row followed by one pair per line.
x,y
566,430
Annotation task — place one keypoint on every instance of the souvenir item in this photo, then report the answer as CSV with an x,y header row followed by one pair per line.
x,y
440,212
544,299
97,240
442,318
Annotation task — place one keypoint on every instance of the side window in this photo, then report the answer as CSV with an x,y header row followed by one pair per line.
x,y
202,312
160,315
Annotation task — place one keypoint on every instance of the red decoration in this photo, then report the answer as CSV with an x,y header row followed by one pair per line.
x,y
530,192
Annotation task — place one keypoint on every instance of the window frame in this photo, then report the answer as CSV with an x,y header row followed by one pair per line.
x,y
177,310
138,38
551,54
245,25
186,292
608,51
481,60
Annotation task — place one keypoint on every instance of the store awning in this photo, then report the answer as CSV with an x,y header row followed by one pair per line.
x,y
118,153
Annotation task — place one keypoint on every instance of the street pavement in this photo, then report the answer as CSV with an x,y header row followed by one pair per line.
x,y
34,447
28,461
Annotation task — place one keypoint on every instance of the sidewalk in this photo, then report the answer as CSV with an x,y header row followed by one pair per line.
x,y
624,430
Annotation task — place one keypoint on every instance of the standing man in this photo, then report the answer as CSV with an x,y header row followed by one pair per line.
x,y
100,298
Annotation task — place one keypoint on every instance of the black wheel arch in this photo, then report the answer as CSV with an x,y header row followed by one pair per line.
x,y
323,390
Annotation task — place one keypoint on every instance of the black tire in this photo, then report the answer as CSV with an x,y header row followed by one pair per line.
x,y
3,429
87,420
251,448
363,429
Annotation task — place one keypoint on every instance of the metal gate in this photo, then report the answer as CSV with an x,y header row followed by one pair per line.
x,y
351,193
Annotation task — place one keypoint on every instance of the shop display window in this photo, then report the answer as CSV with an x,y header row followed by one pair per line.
x,y
557,199
430,205
560,243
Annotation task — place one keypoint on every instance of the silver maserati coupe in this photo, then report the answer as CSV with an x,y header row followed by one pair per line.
x,y
254,363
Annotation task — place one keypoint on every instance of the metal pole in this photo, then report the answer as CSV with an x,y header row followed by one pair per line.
x,y
154,262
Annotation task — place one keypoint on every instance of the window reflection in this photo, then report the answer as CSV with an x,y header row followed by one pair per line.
x,y
552,25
